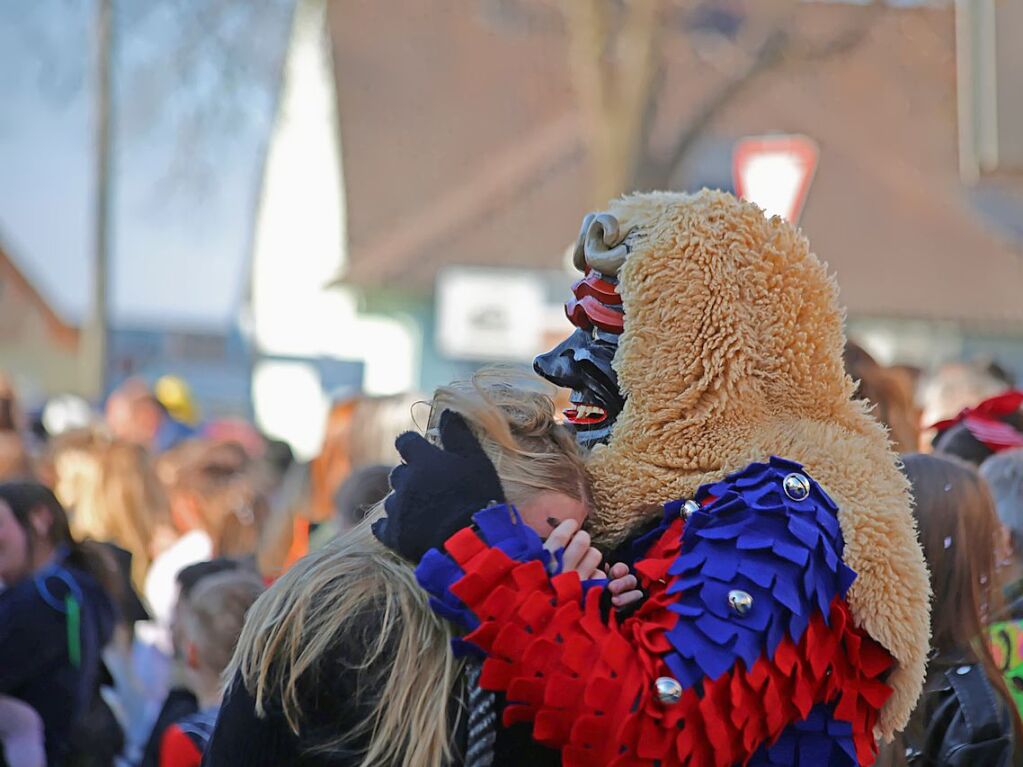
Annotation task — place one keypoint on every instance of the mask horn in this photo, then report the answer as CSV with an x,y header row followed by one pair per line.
x,y
603,246
579,254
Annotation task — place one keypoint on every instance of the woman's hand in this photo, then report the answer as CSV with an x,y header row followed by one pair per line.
x,y
578,554
623,586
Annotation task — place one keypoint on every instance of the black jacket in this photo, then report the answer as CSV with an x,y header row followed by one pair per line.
x,y
333,699
42,663
960,721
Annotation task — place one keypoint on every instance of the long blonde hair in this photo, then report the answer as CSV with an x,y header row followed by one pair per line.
x,y
313,606
120,499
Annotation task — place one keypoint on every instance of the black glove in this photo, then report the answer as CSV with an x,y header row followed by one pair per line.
x,y
436,490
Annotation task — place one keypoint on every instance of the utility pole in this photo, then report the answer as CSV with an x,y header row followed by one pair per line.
x,y
93,354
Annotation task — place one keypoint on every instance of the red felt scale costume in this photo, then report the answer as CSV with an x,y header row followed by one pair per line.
x,y
589,685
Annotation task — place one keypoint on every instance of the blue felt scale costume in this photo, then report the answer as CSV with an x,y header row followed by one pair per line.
x,y
743,653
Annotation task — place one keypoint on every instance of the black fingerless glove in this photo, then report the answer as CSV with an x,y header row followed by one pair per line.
x,y
437,489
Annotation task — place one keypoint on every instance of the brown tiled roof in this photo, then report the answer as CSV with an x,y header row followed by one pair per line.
x,y
462,144
886,209
61,331
448,125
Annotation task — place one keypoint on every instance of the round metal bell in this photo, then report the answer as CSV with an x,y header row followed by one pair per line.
x,y
688,509
668,690
740,602
796,486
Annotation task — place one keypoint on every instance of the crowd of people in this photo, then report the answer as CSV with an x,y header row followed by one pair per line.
x,y
132,574
175,594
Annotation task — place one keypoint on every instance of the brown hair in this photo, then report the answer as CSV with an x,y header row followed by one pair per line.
x,y
222,480
959,531
15,462
890,394
24,497
9,413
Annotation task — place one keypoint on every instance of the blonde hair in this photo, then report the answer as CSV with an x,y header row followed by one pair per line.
x,y
314,606
118,498
516,425
214,614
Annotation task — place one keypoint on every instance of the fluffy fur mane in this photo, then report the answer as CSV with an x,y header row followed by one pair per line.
x,y
732,352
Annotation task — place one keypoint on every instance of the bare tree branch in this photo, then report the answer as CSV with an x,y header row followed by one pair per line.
x,y
780,49
657,174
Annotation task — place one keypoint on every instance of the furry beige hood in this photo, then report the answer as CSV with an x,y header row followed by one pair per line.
x,y
732,352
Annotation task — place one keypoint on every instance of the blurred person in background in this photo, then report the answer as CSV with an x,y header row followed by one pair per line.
x,y
175,395
361,491
21,735
135,414
954,386
890,392
217,506
11,418
180,701
342,662
1004,475
15,461
211,620
55,614
966,716
114,497
118,499
983,429
360,431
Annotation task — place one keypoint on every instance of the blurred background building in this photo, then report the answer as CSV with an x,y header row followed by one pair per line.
x,y
401,206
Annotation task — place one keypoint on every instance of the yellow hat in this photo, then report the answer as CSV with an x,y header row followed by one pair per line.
x,y
175,395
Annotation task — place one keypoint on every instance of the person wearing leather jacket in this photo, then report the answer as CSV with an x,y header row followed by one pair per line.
x,y
965,715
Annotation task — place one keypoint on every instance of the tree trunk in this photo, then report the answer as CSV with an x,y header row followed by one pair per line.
x,y
93,353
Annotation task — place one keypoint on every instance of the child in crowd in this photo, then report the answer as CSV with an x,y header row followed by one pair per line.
x,y
211,621
179,701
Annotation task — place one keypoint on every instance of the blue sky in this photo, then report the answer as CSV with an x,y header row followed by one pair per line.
x,y
179,253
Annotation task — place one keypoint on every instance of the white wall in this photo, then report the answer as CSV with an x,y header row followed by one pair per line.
x,y
300,247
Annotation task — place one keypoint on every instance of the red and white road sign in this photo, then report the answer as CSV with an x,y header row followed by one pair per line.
x,y
775,172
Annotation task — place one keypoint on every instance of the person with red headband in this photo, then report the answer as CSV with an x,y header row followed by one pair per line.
x,y
978,432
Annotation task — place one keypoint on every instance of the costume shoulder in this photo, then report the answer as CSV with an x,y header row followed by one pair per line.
x,y
743,653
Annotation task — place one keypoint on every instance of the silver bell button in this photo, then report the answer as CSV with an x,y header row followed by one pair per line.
x,y
740,602
668,690
689,508
796,486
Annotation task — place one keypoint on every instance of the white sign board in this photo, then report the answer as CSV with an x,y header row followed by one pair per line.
x,y
775,172
490,314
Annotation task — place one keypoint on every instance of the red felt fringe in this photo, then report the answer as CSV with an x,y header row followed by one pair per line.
x,y
587,686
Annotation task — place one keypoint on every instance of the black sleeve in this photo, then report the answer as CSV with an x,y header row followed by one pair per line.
x,y
33,636
971,723
335,696
241,737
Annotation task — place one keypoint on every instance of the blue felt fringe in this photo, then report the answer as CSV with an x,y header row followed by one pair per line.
x,y
820,740
500,527
786,554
